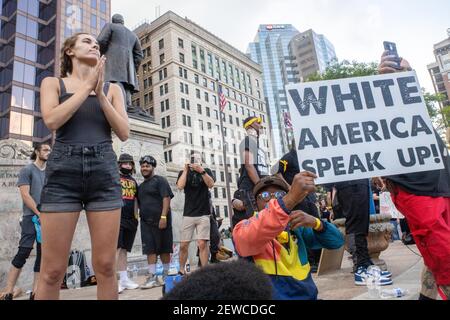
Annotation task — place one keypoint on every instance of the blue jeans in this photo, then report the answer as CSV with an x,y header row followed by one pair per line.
x,y
81,177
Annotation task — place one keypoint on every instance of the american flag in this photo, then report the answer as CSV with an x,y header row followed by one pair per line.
x,y
222,100
287,120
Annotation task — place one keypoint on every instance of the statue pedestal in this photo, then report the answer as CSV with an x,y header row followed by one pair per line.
x,y
380,232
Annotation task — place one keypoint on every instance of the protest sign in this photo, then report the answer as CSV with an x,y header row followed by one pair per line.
x,y
363,127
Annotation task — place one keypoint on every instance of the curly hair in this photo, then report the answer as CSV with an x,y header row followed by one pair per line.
x,y
224,281
66,61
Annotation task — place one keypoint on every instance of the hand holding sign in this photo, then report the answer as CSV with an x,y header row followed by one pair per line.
x,y
358,128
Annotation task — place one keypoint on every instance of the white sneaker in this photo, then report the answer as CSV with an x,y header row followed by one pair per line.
x,y
128,284
161,279
120,289
150,282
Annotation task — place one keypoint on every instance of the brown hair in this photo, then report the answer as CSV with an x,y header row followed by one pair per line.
x,y
37,148
66,61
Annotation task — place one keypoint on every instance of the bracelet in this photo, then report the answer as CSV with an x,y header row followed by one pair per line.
x,y
164,217
318,224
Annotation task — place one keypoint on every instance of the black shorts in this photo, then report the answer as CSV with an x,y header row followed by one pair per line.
x,y
81,177
126,238
155,240
28,233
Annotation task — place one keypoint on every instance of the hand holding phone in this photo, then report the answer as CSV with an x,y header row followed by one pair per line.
x,y
391,48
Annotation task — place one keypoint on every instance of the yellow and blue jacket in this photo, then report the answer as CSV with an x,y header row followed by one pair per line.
x,y
282,254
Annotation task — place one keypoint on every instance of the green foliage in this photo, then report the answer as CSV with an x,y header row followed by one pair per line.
x,y
345,69
439,116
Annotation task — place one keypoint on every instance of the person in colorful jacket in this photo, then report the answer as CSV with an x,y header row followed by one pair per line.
x,y
277,238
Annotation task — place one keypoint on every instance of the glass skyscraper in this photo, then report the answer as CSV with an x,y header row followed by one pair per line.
x,y
270,50
31,34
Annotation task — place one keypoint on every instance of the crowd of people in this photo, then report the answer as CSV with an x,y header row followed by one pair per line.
x,y
278,224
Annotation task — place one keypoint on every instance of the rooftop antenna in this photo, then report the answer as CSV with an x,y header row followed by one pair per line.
x,y
157,12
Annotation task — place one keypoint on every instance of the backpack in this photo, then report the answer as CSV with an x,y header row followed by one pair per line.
x,y
78,273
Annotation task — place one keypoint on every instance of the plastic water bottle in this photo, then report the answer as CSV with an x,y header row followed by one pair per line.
x,y
135,272
373,281
393,293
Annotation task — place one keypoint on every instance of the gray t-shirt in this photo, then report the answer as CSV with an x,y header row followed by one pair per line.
x,y
34,177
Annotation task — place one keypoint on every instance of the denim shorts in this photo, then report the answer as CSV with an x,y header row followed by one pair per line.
x,y
81,177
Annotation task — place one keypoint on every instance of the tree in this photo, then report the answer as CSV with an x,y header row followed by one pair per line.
x,y
345,69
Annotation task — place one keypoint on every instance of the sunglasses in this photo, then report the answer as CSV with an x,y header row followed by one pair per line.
x,y
267,196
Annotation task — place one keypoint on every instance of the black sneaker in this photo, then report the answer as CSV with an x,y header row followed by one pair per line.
x,y
8,296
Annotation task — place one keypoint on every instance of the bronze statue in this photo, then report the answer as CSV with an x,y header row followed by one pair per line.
x,y
123,52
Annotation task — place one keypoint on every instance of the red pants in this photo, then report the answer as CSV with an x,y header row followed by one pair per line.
x,y
429,221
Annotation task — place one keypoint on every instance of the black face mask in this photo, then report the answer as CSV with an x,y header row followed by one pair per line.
x,y
126,171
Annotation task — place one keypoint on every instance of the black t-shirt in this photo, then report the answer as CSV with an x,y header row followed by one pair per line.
x,y
251,144
129,195
151,193
288,166
196,200
434,183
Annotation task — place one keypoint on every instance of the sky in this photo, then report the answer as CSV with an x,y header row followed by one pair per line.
x,y
357,28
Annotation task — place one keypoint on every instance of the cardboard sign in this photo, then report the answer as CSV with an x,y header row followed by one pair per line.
x,y
358,128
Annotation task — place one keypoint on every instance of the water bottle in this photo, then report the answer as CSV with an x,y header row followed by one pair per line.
x,y
393,293
135,272
188,266
373,281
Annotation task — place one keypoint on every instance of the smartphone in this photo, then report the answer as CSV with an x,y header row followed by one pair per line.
x,y
391,47
192,160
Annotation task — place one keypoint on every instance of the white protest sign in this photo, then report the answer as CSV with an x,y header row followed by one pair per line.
x,y
363,127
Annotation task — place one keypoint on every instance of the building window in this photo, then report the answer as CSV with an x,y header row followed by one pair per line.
x,y
225,208
25,49
161,44
216,192
197,93
94,4
206,97
181,57
222,176
208,112
217,211
24,73
196,78
199,108
93,21
103,6
22,98
180,43
162,58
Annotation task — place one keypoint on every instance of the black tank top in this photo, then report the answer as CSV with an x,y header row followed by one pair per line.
x,y
88,126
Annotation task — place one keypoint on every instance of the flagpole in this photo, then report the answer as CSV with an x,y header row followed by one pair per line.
x,y
227,180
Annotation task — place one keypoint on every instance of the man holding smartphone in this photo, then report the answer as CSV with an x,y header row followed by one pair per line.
x,y
196,182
